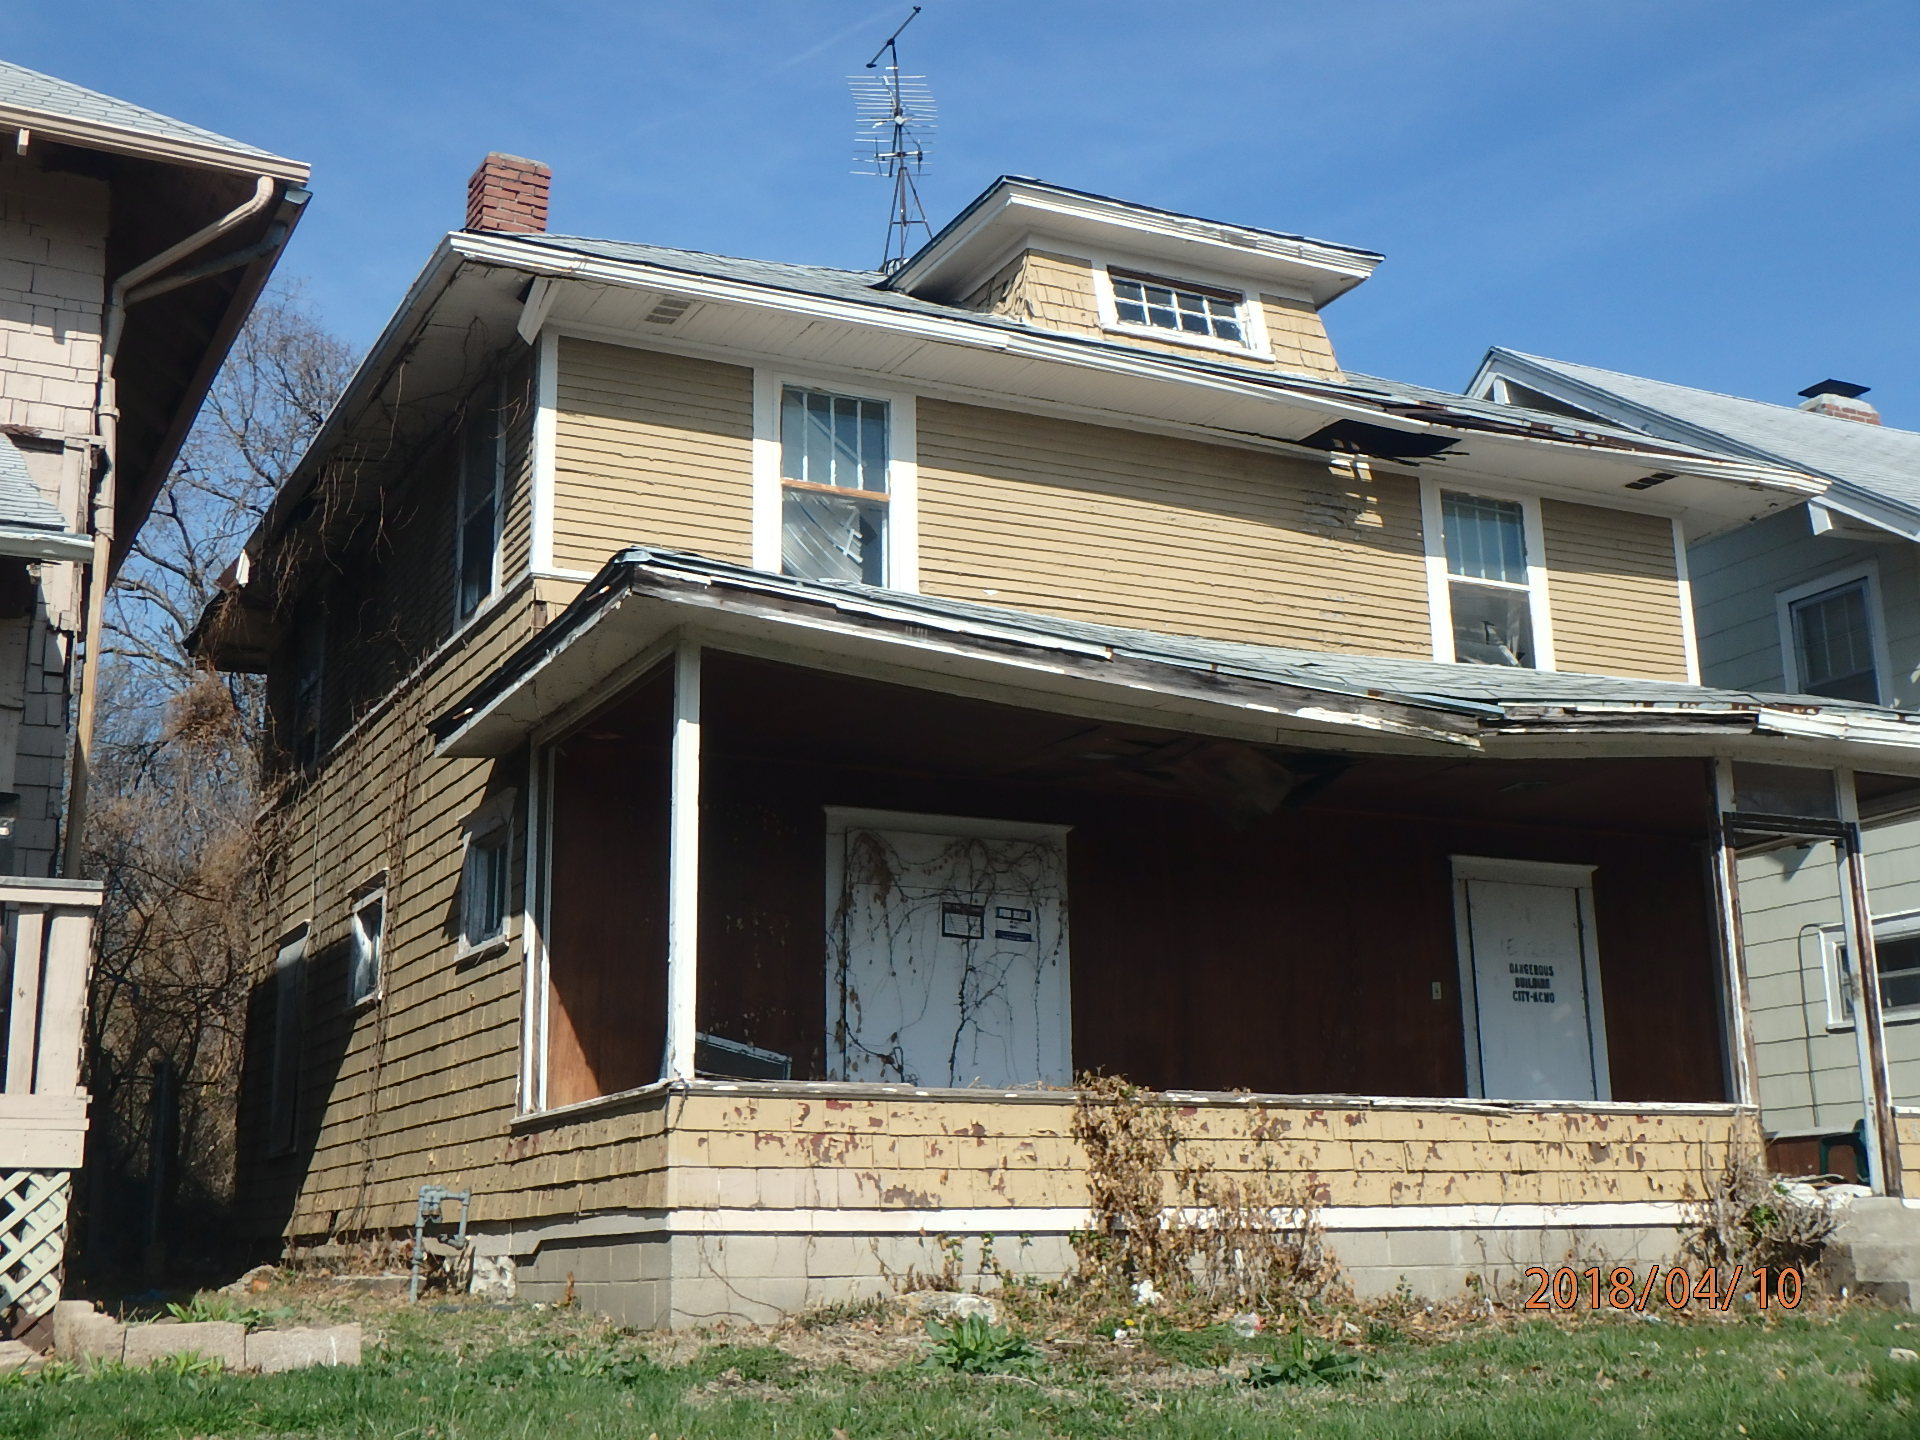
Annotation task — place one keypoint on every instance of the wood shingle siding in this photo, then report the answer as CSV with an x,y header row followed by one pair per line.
x,y
650,449
1095,523
1613,586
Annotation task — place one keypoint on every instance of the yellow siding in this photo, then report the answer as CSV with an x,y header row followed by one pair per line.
x,y
650,449
1614,591
1056,292
1110,525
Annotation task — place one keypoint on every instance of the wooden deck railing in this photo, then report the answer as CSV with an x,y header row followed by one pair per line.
x,y
47,959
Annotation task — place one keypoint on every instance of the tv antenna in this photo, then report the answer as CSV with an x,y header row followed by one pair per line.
x,y
893,112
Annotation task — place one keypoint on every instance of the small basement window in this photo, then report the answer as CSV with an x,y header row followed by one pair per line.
x,y
833,486
1198,311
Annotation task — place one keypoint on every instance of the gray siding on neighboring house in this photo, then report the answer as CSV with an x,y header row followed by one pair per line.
x,y
1809,1075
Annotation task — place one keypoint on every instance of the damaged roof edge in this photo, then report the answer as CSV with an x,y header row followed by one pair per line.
x,y
1379,704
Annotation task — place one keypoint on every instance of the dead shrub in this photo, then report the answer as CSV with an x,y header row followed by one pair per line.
x,y
1166,1219
1745,1218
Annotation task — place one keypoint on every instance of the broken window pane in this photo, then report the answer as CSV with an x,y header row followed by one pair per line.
x,y
1491,626
826,537
1833,639
836,440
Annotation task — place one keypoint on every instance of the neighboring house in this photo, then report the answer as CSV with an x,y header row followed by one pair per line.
x,y
1821,598
752,734
132,247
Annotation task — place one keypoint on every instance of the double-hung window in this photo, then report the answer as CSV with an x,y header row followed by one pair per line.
x,y
477,524
1832,639
833,486
1489,588
1196,311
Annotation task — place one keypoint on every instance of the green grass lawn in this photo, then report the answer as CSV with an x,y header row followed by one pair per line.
x,y
456,1371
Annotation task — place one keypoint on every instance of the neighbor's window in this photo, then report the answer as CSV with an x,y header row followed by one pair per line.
x,y
833,484
483,887
1833,643
1489,596
368,921
1195,310
289,1001
477,538
1896,948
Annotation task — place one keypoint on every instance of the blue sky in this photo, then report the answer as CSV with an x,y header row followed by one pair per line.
x,y
1718,192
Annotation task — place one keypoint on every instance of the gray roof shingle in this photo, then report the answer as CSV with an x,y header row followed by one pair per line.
x,y
1876,459
21,502
24,89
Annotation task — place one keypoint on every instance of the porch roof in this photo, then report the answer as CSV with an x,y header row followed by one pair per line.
x,y
644,599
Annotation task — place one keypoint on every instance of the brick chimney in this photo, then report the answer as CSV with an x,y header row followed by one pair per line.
x,y
1840,399
509,194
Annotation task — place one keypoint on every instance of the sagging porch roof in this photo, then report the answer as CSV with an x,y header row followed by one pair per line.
x,y
646,599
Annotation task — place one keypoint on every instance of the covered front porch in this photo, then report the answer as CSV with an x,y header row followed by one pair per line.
x,y
830,907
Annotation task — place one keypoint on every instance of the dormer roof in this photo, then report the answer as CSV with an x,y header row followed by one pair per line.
x,y
1017,212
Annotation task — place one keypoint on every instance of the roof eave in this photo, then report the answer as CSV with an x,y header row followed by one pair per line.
x,y
97,135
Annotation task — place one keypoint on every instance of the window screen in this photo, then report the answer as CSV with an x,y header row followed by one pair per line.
x,y
1488,589
833,474
1833,644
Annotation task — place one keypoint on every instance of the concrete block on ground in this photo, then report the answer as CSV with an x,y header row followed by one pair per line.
x,y
272,1351
219,1340
81,1333
17,1355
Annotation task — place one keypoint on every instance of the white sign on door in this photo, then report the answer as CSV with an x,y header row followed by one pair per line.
x,y
953,961
1534,1022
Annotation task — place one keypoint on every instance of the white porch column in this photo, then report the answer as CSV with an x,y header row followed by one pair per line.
x,y
1863,965
683,864
1742,1065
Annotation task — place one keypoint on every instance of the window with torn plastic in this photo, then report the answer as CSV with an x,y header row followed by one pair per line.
x,y
1489,592
833,484
367,922
1192,310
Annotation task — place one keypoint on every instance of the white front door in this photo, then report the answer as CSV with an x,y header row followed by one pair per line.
x,y
952,963
1530,981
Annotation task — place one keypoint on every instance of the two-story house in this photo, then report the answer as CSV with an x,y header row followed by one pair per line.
x,y
1821,598
755,733
132,246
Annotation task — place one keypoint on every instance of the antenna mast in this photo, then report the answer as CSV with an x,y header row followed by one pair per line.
x,y
892,110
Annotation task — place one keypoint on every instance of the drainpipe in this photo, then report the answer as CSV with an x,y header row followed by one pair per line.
x,y
107,430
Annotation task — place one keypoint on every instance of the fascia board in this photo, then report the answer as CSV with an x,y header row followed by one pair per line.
x,y
634,275
1324,271
94,135
25,543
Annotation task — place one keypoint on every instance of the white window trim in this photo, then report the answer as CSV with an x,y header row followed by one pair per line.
x,y
498,814
841,818
545,443
1689,633
903,469
1439,601
496,406
1253,315
371,892
1785,600
1902,926
1578,878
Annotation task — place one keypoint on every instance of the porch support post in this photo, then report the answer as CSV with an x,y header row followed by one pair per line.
x,y
1869,1031
683,864
1743,1065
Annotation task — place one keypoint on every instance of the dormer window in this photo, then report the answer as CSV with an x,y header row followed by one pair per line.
x,y
1197,311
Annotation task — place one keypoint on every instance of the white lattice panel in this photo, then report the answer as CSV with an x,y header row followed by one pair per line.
x,y
33,1239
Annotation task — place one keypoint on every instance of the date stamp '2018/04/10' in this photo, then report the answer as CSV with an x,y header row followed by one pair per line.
x,y
1673,1286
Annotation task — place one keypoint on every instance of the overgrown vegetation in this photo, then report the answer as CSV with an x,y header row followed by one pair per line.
x,y
176,785
975,1345
1168,1224
1746,1218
